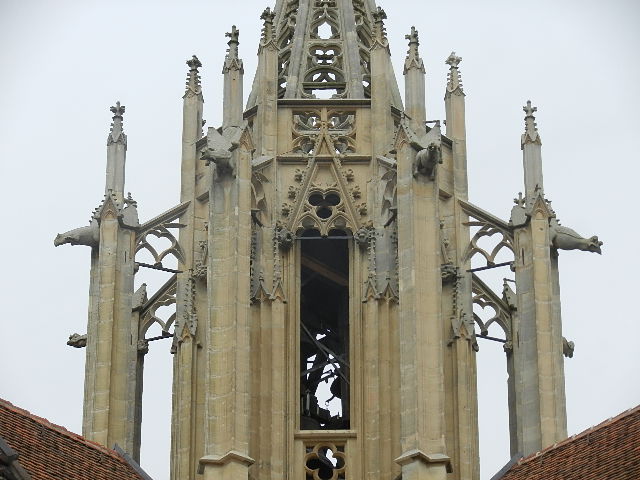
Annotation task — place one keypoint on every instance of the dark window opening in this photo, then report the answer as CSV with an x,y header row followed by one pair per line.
x,y
324,331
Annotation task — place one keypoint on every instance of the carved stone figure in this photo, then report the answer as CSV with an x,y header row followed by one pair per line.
x,y
564,238
222,159
89,236
426,161
77,341
567,348
284,237
362,237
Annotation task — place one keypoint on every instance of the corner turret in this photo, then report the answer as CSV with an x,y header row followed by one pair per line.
x,y
414,78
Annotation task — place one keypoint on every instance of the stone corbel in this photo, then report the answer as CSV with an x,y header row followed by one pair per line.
x,y
284,237
143,346
362,237
448,272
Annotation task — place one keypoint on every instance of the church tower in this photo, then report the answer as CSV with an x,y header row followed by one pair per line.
x,y
324,291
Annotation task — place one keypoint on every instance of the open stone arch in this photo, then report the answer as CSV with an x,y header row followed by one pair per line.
x,y
498,233
486,299
164,297
325,15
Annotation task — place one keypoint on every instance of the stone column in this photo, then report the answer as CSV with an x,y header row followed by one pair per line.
x,y
110,372
227,336
186,366
422,394
537,405
464,445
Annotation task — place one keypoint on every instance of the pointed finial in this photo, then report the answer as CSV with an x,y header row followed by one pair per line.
x,y
379,16
234,34
194,64
268,33
454,80
453,60
413,56
231,60
117,110
531,134
529,110
413,39
116,132
193,77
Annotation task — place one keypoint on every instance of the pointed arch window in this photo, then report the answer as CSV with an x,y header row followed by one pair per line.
x,y
324,330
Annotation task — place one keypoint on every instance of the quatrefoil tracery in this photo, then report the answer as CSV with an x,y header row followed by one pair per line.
x,y
318,463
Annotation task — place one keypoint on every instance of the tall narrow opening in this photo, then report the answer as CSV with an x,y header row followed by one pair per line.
x,y
324,331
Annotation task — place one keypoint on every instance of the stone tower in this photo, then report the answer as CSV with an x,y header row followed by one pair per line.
x,y
324,290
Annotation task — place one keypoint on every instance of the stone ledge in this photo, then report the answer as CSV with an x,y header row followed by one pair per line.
x,y
222,460
428,458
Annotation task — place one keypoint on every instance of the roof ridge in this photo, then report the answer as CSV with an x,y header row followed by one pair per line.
x,y
581,434
60,429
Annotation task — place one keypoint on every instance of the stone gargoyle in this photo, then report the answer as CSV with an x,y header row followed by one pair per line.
x,y
426,161
77,341
222,159
564,238
429,152
219,148
89,236
568,348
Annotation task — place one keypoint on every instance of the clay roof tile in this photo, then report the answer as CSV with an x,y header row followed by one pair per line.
x,y
50,452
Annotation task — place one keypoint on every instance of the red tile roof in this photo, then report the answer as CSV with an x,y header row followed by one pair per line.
x,y
50,452
609,451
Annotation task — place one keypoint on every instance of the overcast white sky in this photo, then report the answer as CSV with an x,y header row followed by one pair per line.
x,y
64,63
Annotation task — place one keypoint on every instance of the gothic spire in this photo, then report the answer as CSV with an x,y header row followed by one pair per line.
x,y
324,48
268,28
233,71
530,134
231,60
116,133
116,155
414,79
413,59
454,80
531,145
193,77
379,30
